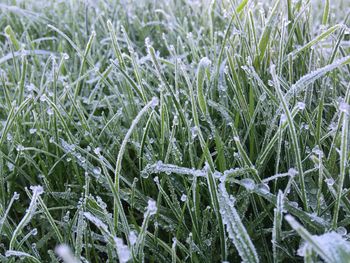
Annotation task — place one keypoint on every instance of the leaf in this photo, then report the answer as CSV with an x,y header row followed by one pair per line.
x,y
331,247
235,228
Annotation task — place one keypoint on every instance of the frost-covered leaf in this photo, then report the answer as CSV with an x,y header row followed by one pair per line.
x,y
331,247
235,228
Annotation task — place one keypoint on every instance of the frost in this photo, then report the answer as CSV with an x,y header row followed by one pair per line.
x,y
341,231
183,198
194,132
37,190
16,196
43,98
329,181
20,147
97,150
235,228
132,237
344,107
283,118
292,172
96,221
154,102
14,253
301,105
160,167
49,111
176,120
331,247
264,188
64,252
32,130
152,207
9,137
316,150
123,251
248,184
96,170
204,62
65,56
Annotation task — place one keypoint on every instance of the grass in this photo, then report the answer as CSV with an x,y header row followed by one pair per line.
x,y
174,131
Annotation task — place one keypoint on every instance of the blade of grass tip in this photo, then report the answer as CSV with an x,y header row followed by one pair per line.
x,y
277,227
265,36
325,13
211,19
12,37
152,104
4,216
316,40
307,237
160,76
343,154
204,63
241,6
11,118
82,64
294,137
22,80
37,191
309,78
115,44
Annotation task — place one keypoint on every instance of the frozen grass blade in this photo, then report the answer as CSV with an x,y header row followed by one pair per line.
x,y
343,154
235,228
294,137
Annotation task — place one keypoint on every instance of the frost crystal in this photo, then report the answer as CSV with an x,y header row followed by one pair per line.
x,y
183,198
64,252
248,184
132,238
152,207
292,172
154,102
124,254
301,105
344,107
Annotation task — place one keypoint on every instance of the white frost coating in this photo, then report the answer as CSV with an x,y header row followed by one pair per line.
x,y
132,238
301,105
14,253
37,191
344,107
183,198
331,247
160,167
204,62
64,252
248,184
283,118
96,221
304,81
329,181
235,228
21,255
152,207
32,130
123,251
292,172
154,102
96,170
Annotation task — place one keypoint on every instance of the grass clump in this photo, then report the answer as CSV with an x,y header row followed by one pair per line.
x,y
174,131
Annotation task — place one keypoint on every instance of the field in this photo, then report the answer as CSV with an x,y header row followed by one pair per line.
x,y
174,131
